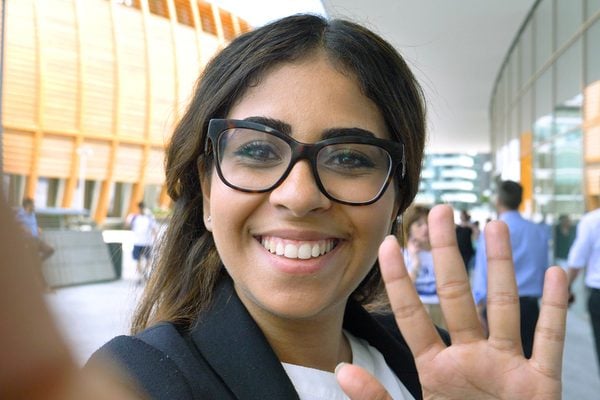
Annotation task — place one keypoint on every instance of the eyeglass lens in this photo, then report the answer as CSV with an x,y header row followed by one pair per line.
x,y
255,161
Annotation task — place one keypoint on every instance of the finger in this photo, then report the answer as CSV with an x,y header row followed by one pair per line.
x,y
358,384
550,329
411,317
503,298
452,281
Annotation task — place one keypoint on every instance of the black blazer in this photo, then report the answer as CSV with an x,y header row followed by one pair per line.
x,y
226,355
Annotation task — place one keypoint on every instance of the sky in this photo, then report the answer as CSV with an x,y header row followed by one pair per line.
x,y
259,12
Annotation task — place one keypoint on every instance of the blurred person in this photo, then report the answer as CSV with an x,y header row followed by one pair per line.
x,y
585,253
26,216
529,248
464,238
564,235
419,260
144,228
35,244
36,361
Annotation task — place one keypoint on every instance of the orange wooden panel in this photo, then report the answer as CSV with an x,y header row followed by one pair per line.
x,y
206,17
96,162
55,156
159,8
592,180
19,83
17,152
591,144
128,163
155,171
526,143
162,76
188,65
591,101
59,50
98,74
184,12
227,22
132,71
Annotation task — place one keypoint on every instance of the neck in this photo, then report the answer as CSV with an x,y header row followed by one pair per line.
x,y
317,342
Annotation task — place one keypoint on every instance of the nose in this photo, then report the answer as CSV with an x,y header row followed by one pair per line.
x,y
299,192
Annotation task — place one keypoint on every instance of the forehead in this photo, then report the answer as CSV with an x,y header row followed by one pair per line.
x,y
311,95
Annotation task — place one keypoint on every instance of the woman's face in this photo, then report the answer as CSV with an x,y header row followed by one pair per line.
x,y
311,97
419,230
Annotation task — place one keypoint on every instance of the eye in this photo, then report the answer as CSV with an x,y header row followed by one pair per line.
x,y
348,160
258,151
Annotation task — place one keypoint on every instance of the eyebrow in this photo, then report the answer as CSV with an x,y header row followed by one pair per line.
x,y
286,128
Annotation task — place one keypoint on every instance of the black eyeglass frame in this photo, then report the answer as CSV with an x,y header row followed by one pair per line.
x,y
306,151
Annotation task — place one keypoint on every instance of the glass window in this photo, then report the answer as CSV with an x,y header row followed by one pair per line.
x,y
592,54
513,67
526,55
514,123
543,33
569,73
543,178
592,7
569,17
526,112
543,106
568,165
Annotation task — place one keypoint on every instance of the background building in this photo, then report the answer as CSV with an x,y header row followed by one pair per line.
x,y
462,180
91,91
545,109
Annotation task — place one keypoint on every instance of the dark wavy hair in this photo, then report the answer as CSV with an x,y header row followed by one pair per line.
x,y
188,265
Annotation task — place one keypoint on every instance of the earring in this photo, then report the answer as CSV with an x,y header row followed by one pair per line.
x,y
208,219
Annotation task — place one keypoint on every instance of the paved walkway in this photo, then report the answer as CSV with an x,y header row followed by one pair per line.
x,y
90,315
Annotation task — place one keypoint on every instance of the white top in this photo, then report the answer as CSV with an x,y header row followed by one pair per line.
x,y
425,281
143,227
585,250
315,384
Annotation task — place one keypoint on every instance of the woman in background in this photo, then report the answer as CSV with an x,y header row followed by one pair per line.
x,y
419,260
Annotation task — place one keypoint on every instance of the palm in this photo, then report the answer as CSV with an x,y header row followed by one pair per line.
x,y
473,366
472,371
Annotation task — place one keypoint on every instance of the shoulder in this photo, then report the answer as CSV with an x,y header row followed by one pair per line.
x,y
148,369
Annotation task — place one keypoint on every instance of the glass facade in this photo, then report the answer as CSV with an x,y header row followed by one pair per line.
x,y
547,96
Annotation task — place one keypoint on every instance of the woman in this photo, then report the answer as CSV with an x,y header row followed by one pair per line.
x,y
419,260
301,147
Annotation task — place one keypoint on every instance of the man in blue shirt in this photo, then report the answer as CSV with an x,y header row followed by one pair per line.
x,y
585,253
529,244
26,216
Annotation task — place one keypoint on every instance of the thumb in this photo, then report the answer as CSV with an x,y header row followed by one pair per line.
x,y
358,384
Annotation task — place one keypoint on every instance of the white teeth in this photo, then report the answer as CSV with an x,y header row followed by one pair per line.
x,y
279,250
291,251
301,250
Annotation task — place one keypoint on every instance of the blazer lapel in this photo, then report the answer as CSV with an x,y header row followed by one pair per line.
x,y
227,337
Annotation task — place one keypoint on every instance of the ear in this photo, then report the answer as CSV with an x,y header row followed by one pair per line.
x,y
205,188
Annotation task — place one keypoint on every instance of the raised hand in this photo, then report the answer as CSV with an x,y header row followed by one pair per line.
x,y
473,367
36,361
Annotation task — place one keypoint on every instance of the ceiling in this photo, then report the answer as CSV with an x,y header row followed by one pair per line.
x,y
455,49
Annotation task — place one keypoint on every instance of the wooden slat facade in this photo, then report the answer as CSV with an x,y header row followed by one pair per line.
x,y
104,79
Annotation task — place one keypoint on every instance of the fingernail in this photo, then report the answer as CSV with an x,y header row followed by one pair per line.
x,y
338,367
391,237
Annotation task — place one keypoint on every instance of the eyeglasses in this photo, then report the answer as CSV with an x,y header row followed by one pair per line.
x,y
349,169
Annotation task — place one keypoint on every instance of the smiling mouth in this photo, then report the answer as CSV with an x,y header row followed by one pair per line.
x,y
297,249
